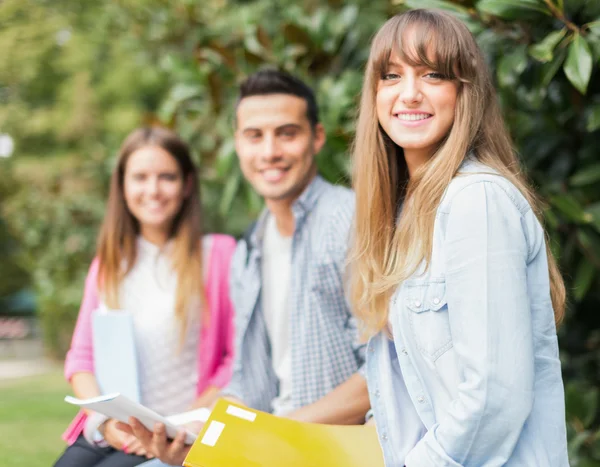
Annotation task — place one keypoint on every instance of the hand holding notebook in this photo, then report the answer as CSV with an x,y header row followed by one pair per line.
x,y
121,408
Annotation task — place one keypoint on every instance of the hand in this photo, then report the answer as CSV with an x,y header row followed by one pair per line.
x,y
120,439
170,452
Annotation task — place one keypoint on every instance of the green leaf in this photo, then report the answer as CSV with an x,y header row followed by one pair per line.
x,y
593,210
594,26
586,176
590,243
229,192
549,69
583,279
511,66
576,443
569,206
593,118
511,9
581,403
578,66
544,50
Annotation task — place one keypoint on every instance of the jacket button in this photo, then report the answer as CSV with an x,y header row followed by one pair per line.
x,y
436,301
420,399
418,304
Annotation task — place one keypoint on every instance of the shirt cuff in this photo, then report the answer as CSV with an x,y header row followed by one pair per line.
x,y
90,429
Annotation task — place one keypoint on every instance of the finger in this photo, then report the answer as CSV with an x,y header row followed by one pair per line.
x,y
159,440
177,445
124,427
141,432
137,448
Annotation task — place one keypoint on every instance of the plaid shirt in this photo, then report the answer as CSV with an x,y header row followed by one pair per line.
x,y
324,345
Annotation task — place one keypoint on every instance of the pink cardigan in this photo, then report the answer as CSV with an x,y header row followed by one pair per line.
x,y
215,349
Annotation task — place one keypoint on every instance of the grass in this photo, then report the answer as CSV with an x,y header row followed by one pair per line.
x,y
33,416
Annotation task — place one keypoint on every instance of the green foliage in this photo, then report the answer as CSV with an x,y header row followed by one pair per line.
x,y
179,62
14,275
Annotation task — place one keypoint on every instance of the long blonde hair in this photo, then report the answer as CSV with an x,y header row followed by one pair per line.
x,y
385,252
117,242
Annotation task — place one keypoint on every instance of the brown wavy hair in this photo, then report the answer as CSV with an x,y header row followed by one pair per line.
x,y
117,241
384,253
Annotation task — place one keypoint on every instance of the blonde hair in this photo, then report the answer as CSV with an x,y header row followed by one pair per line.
x,y
385,252
117,242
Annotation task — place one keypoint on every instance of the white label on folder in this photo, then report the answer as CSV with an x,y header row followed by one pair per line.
x,y
211,436
241,413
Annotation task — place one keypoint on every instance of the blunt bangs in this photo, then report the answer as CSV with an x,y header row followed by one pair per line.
x,y
422,38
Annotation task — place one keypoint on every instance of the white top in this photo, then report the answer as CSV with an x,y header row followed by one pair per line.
x,y
168,371
276,267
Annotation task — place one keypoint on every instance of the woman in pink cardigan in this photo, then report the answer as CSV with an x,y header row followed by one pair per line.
x,y
154,263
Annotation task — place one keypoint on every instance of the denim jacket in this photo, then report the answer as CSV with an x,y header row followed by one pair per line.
x,y
472,376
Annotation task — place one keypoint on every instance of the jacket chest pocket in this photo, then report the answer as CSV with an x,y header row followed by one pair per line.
x,y
427,310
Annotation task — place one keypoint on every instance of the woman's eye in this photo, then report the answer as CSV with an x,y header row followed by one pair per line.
x,y
390,76
435,75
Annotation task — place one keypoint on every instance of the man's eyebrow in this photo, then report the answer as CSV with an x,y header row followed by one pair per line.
x,y
288,126
251,130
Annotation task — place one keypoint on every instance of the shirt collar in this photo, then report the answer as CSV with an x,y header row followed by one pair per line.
x,y
300,208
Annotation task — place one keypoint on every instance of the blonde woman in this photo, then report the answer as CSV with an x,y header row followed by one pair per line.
x,y
452,278
154,263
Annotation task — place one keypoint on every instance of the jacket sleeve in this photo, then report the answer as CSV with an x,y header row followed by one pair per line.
x,y
80,357
235,386
487,251
226,247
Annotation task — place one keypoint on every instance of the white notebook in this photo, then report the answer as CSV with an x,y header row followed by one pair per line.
x,y
119,407
115,357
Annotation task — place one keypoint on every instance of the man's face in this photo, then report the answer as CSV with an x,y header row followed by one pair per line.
x,y
276,145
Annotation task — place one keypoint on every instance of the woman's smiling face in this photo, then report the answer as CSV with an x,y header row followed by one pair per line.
x,y
415,107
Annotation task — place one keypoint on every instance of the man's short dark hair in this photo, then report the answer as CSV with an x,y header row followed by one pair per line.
x,y
272,81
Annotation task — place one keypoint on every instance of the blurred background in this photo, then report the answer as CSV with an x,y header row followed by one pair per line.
x,y
76,77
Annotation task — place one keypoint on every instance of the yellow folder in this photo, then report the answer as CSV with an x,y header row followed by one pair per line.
x,y
237,436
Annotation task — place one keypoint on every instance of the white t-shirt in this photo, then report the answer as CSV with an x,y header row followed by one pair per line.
x,y
276,267
168,373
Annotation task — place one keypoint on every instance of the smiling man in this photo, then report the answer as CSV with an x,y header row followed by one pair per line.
x,y
297,351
